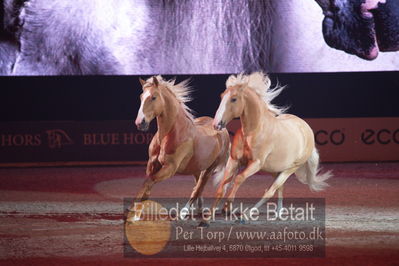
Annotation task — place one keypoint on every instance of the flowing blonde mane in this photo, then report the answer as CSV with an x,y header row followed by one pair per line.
x,y
260,83
181,91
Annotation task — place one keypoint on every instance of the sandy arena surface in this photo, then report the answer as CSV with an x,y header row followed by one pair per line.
x,y
74,215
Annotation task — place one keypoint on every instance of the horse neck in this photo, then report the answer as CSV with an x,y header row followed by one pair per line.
x,y
255,113
172,118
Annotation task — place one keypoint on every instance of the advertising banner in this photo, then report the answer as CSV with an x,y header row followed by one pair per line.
x,y
119,142
353,139
73,143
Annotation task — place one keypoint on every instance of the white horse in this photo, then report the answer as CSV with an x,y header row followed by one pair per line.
x,y
269,140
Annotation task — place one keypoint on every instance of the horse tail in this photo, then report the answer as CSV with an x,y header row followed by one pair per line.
x,y
310,174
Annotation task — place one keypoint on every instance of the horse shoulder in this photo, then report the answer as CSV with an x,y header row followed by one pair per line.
x,y
178,153
153,164
154,148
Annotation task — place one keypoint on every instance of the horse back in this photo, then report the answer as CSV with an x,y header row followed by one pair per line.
x,y
295,121
210,145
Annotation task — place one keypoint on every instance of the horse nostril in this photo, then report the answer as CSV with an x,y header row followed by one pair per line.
x,y
138,123
143,125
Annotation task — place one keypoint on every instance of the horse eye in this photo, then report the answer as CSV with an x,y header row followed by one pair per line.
x,y
233,100
153,98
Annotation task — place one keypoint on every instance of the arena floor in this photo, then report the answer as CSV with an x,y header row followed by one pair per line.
x,y
74,215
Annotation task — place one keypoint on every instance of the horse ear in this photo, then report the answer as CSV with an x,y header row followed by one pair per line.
x,y
142,82
155,81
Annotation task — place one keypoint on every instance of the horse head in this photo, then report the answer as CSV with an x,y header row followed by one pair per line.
x,y
232,104
151,103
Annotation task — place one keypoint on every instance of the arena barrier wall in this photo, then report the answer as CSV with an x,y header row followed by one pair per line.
x,y
75,120
119,142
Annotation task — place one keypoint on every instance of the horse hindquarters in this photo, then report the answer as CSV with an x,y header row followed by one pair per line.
x,y
225,148
309,173
219,165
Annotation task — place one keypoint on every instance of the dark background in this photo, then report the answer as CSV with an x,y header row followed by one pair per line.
x,y
96,98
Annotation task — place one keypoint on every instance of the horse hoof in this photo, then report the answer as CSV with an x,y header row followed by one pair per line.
x,y
184,213
241,221
127,211
203,224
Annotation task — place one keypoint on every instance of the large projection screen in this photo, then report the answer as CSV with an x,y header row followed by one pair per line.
x,y
145,37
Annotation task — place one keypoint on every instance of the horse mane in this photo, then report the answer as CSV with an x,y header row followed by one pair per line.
x,y
182,92
260,83
221,36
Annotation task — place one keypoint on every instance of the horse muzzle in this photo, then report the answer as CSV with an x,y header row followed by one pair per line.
x,y
220,126
143,125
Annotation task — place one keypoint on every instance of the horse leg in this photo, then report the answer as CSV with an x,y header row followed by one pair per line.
x,y
164,173
200,202
199,188
280,198
199,180
280,195
252,168
231,168
168,169
282,177
199,199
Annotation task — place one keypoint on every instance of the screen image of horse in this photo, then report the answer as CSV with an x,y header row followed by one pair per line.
x,y
197,37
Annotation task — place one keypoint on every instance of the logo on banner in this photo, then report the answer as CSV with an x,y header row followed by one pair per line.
x,y
382,136
335,137
57,138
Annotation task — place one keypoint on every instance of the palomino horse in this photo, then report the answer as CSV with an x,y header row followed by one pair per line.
x,y
182,144
281,144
